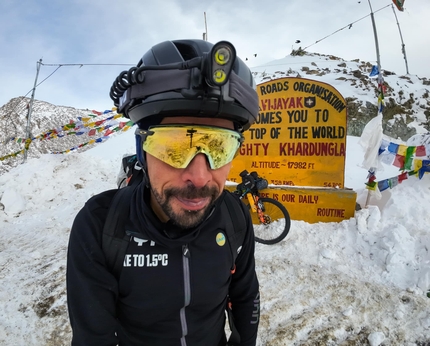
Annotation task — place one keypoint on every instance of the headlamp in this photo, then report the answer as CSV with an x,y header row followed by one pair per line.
x,y
220,62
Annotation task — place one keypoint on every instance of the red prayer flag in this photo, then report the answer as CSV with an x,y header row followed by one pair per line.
x,y
92,132
421,151
399,4
399,161
108,132
403,176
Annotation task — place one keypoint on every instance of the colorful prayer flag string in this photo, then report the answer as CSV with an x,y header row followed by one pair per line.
x,y
84,125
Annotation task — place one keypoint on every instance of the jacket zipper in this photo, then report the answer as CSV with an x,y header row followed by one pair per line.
x,y
187,291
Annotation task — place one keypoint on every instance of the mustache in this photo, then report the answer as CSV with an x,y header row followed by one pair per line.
x,y
191,192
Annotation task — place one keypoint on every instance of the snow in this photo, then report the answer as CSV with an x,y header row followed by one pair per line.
x,y
362,281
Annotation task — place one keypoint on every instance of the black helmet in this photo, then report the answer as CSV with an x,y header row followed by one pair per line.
x,y
187,78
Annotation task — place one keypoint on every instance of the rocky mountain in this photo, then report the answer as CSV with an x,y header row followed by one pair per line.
x,y
406,112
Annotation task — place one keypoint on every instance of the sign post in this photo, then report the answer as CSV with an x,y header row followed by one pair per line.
x,y
298,144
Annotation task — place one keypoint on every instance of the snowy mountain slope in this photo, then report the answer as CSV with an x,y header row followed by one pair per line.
x,y
325,284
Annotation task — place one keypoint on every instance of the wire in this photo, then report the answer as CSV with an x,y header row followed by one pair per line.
x,y
87,64
346,26
23,97
47,77
9,114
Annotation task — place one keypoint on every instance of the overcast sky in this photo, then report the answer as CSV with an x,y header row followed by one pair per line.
x,y
120,32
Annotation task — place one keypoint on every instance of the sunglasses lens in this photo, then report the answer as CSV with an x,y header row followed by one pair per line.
x,y
177,145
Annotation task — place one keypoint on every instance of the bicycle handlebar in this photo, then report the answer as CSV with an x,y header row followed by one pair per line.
x,y
251,181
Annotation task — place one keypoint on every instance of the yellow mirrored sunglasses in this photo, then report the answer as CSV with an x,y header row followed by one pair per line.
x,y
177,145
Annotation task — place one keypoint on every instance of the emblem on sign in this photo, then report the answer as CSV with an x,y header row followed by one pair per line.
x,y
310,102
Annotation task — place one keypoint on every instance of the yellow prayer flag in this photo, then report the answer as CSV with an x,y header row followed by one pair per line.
x,y
417,164
402,150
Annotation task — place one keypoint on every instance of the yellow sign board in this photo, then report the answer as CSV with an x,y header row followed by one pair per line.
x,y
313,204
299,138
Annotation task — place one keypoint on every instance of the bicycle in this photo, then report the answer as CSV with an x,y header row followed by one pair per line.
x,y
270,218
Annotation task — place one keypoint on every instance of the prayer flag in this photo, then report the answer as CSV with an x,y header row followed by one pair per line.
x,y
374,72
399,4
399,161
393,182
427,145
370,141
387,158
421,150
384,144
383,185
402,149
410,151
371,185
408,163
424,169
393,148
403,176
108,132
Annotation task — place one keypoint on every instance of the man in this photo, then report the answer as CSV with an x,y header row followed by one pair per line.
x,y
191,101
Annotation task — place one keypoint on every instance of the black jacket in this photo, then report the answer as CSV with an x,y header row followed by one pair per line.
x,y
173,286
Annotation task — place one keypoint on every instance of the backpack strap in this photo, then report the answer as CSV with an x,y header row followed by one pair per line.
x,y
236,230
115,240
236,225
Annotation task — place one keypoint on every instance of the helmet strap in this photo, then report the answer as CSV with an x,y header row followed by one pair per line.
x,y
141,157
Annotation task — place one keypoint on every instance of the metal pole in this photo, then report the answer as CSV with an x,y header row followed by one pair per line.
x,y
30,110
378,60
401,38
206,28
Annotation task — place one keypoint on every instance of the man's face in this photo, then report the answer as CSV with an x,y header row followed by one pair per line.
x,y
186,195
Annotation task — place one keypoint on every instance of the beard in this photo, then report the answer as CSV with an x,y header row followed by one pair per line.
x,y
186,218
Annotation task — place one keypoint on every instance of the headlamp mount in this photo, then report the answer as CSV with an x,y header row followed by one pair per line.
x,y
215,68
204,85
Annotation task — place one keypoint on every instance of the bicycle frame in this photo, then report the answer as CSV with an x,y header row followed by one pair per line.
x,y
253,202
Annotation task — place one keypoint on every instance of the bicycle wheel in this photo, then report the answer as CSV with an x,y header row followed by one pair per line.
x,y
276,225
